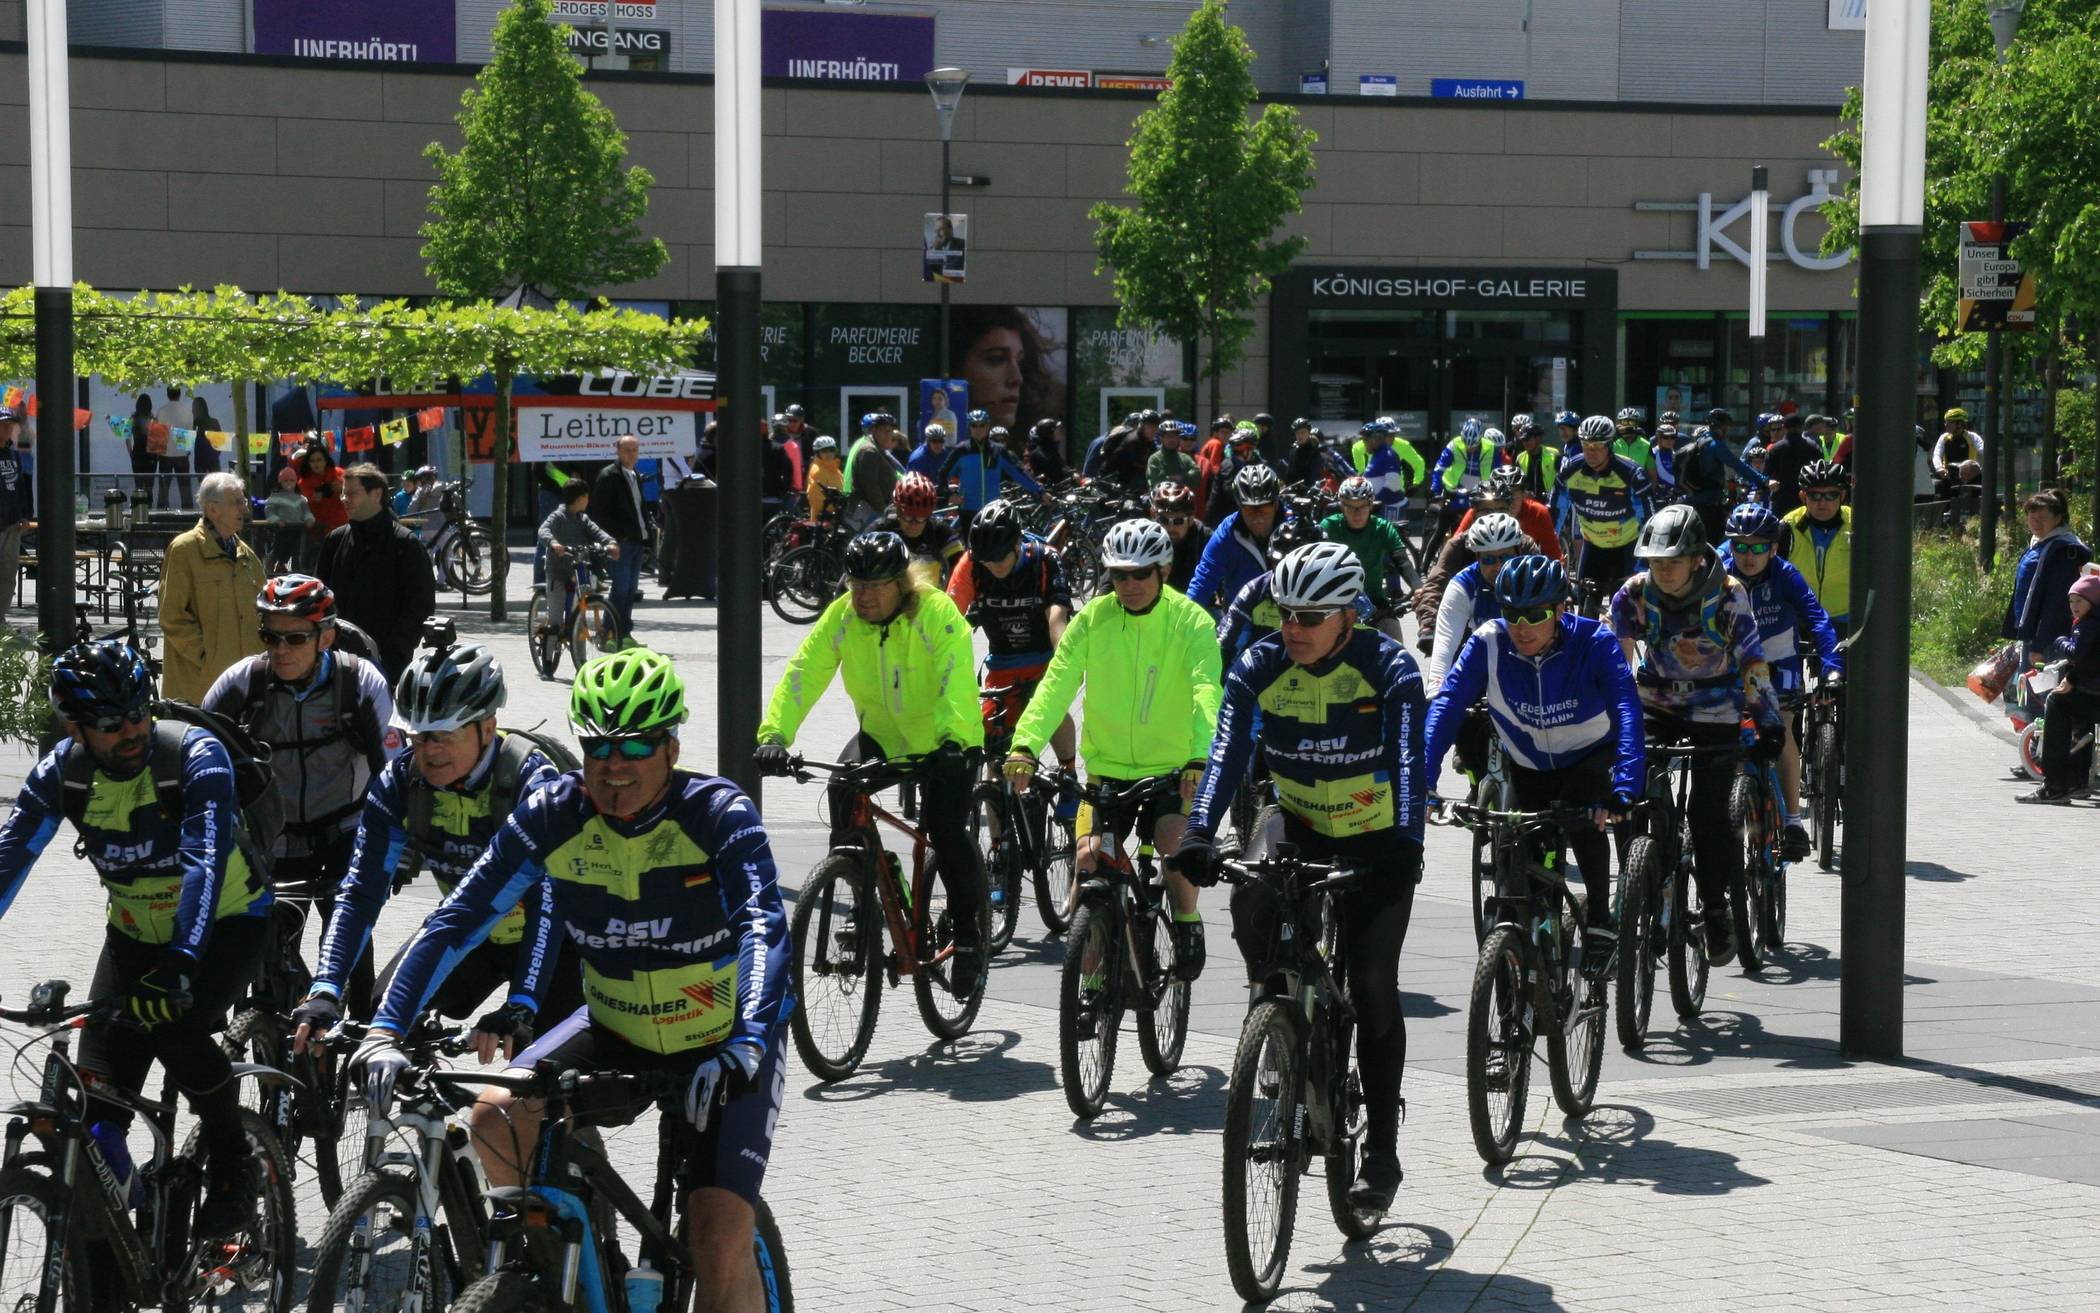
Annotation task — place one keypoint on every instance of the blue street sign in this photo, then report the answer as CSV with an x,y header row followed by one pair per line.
x,y
1378,84
1476,89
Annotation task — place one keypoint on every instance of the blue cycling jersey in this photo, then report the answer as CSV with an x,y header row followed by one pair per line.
x,y
979,478
463,819
1254,616
1342,739
1230,561
1786,605
1551,710
676,914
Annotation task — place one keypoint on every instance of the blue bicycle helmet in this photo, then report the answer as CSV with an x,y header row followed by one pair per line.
x,y
980,417
99,680
1754,521
1568,419
867,421
1531,581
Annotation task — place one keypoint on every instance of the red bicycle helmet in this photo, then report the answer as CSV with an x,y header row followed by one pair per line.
x,y
299,595
914,496
1173,498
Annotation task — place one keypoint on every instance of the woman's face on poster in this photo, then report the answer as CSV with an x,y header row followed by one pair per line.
x,y
993,367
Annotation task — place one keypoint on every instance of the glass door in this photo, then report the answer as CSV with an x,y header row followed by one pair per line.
x,y
1409,379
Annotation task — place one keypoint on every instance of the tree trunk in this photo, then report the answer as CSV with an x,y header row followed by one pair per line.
x,y
1211,363
2092,477
240,433
2052,379
499,480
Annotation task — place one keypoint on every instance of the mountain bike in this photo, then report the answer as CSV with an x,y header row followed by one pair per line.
x,y
1529,979
75,1235
1119,952
1020,830
808,569
1295,1093
413,1227
854,892
1757,895
1820,730
1661,916
586,622
554,1244
1490,790
464,551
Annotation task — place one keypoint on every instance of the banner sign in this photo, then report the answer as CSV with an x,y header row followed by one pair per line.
x,y
1378,84
1313,84
1131,82
944,239
942,401
1080,78
578,12
1476,88
628,41
401,31
580,418
813,43
1996,293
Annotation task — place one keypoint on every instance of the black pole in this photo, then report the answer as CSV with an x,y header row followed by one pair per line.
x,y
945,176
56,466
1993,382
738,525
1877,673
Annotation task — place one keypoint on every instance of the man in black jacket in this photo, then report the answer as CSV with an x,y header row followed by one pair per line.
x,y
616,504
380,574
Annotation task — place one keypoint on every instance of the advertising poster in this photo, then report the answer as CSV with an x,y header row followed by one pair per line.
x,y
851,47
1014,360
400,31
1069,78
942,401
1109,359
945,240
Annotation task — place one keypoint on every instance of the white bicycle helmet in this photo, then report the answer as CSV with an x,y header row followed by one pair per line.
x,y
1135,544
1319,574
1355,488
1496,533
448,688
1493,437
1599,428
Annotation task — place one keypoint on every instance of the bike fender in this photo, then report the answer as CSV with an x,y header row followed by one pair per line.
x,y
1096,889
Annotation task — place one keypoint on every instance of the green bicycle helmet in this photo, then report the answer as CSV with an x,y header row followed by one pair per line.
x,y
627,695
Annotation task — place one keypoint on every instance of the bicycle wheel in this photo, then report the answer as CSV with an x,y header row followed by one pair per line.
x,y
254,1269
29,1197
367,1259
837,966
1829,794
1080,562
935,917
804,582
1636,943
1089,1012
1163,1030
1498,1046
1053,873
771,1253
512,1290
1345,1154
546,650
1746,812
1483,861
1687,933
1002,864
1262,1150
1575,1044
327,1125
472,561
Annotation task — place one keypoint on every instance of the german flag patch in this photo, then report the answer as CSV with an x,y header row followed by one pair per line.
x,y
695,881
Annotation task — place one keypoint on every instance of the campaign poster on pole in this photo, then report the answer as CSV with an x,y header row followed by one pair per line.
x,y
1996,293
945,239
942,401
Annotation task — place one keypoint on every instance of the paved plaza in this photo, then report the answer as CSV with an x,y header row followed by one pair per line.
x,y
1739,1160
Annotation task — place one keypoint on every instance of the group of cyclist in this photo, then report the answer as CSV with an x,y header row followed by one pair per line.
x,y
628,913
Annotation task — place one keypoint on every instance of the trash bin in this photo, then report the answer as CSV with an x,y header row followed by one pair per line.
x,y
685,565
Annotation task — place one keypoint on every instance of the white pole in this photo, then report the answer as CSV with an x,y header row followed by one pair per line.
x,y
1892,117
50,146
1760,245
737,176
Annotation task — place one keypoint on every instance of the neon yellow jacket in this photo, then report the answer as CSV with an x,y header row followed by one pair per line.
x,y
912,681
1152,687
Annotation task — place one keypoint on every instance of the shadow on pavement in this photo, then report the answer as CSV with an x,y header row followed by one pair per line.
x,y
1398,1268
1732,1035
978,1068
1803,962
1422,1006
1189,1102
1935,871
1615,1144
2001,1083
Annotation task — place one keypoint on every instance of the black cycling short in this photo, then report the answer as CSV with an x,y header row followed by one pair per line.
x,y
1114,825
731,1154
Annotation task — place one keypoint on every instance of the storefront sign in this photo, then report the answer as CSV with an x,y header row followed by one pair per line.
x,y
629,41
1848,16
578,12
1476,89
1712,227
1496,287
402,31
1130,82
1111,362
1080,78
567,432
812,43
1378,84
1996,293
1313,84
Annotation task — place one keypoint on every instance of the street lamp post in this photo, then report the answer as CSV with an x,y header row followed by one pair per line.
x,y
51,222
738,258
1877,675
947,85
1760,246
2005,26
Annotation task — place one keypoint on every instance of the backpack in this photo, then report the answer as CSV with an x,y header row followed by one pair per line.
x,y
255,785
507,783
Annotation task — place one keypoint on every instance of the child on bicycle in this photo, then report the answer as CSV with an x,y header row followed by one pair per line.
x,y
563,534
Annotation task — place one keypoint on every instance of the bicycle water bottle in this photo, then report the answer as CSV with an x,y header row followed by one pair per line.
x,y
645,1288
109,1138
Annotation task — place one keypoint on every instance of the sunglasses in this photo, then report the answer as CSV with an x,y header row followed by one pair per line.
x,y
1530,615
299,638
1173,521
630,749
1744,547
1131,576
1306,619
111,724
1822,496
1494,558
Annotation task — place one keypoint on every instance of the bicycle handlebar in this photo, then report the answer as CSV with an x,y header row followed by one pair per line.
x,y
1134,794
1563,816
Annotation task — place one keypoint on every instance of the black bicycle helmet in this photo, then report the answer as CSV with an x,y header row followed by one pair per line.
x,y
1675,530
876,555
1256,485
105,678
995,532
1824,474
1296,532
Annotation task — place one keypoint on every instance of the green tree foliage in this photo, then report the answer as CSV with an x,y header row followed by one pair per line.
x,y
536,195
1212,188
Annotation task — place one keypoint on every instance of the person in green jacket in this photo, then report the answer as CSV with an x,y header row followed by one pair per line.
x,y
1149,659
905,654
1374,539
1171,464
1631,443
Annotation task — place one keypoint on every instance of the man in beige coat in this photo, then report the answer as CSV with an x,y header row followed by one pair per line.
x,y
208,585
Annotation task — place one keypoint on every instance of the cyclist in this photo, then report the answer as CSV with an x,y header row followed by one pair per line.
x,y
439,805
1010,586
1503,494
1819,541
931,543
1240,451
1388,461
1787,615
1568,425
1705,469
1539,467
1044,454
981,468
1253,615
1702,678
1469,599
567,530
188,912
1603,500
1631,444
825,482
1954,452
1170,464
1466,459
1239,547
1337,712
904,652
1563,704
664,884
928,458
1149,659
1306,461
1174,507
1374,539
327,718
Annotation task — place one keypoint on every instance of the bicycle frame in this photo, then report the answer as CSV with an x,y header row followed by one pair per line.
x,y
1115,881
867,815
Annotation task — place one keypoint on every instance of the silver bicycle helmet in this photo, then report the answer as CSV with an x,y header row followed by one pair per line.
x,y
449,687
1256,485
1355,488
1599,428
1136,544
1496,533
1321,574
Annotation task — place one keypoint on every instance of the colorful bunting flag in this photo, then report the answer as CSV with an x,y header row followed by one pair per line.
x,y
359,438
157,438
12,397
258,444
430,418
287,443
219,439
394,432
181,442
82,418
121,426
